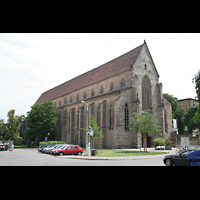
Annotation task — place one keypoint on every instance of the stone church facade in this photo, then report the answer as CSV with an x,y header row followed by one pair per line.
x,y
113,91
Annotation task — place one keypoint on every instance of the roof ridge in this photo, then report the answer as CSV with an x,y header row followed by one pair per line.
x,y
96,74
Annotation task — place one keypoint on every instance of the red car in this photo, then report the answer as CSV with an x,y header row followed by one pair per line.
x,y
70,149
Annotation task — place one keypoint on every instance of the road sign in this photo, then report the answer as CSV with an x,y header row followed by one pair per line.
x,y
89,132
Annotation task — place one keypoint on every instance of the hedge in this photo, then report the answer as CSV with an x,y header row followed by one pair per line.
x,y
51,142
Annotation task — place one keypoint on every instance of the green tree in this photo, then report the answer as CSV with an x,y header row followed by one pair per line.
x,y
41,120
3,129
96,132
145,124
11,128
177,113
180,116
174,104
196,80
191,122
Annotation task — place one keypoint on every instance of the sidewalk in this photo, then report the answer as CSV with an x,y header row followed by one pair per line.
x,y
125,157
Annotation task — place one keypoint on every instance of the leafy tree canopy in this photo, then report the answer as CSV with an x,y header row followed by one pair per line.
x,y
145,124
10,130
41,120
196,80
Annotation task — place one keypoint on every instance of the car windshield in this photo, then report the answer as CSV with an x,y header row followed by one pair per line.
x,y
187,152
64,147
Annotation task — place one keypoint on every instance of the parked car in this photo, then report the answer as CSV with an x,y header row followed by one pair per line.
x,y
160,148
54,147
44,150
70,149
41,147
51,151
178,160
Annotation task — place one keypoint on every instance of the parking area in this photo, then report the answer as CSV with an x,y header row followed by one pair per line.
x,y
31,157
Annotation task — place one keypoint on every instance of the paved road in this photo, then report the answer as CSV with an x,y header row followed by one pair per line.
x,y
31,157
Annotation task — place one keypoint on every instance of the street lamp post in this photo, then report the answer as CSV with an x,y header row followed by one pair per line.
x,y
87,142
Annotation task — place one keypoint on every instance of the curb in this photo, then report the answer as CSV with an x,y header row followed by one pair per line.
x,y
114,158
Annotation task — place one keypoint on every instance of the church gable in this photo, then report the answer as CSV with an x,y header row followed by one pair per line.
x,y
144,65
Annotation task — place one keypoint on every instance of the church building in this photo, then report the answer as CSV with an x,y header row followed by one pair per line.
x,y
112,92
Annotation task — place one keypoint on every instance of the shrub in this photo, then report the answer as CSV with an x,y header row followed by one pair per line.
x,y
168,143
162,142
159,141
51,142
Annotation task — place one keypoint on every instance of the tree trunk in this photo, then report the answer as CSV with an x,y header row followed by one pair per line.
x,y
145,143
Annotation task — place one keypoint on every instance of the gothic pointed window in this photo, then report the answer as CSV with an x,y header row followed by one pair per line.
x,y
146,93
126,117
92,92
101,90
123,83
111,86
84,95
77,97
112,116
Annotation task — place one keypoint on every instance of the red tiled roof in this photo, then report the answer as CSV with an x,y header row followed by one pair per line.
x,y
115,66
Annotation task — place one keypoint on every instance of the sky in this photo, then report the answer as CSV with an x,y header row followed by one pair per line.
x,y
32,63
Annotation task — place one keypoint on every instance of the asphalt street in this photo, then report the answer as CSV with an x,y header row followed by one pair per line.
x,y
31,157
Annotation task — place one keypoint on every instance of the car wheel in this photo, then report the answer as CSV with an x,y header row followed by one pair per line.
x,y
61,154
79,153
169,162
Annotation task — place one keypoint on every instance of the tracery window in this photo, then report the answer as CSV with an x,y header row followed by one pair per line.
x,y
99,116
166,125
126,117
64,117
112,116
92,110
72,125
146,93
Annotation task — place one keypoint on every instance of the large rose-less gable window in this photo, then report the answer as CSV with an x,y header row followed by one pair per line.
x,y
146,93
